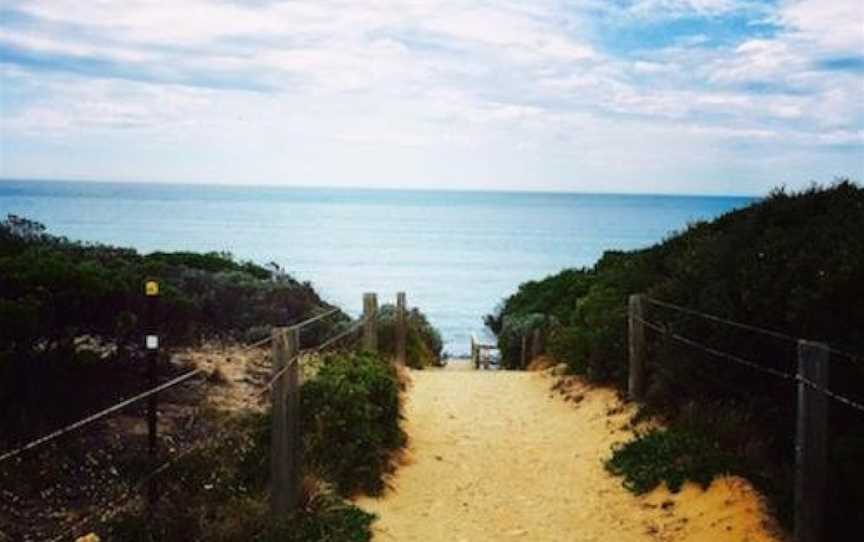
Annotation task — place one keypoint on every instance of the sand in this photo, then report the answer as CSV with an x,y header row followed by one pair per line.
x,y
498,456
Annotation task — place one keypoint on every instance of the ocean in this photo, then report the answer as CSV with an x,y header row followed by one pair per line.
x,y
455,254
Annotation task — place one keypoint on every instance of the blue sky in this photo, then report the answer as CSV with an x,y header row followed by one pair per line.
x,y
693,96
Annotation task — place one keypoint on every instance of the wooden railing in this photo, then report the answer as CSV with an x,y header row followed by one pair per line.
x,y
479,352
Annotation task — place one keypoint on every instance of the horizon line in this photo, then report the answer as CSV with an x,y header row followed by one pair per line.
x,y
382,188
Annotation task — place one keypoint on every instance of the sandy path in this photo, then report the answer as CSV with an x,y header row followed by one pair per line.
x,y
498,456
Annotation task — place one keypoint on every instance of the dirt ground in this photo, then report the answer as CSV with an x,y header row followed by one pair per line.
x,y
498,455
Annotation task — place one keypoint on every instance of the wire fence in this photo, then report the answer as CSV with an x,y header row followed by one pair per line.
x,y
812,443
297,358
665,331
747,327
299,325
104,511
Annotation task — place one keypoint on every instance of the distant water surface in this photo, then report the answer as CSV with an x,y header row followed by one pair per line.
x,y
456,254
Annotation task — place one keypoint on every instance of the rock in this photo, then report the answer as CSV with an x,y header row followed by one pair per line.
x,y
559,369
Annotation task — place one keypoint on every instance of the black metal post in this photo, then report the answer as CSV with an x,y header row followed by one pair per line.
x,y
151,340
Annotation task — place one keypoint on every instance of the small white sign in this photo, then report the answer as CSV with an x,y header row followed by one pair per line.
x,y
152,342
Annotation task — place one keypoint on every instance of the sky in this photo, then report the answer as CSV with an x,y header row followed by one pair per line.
x,y
659,96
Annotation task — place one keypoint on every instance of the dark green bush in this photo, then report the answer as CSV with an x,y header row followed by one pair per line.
x,y
350,420
423,345
570,345
336,521
54,291
672,456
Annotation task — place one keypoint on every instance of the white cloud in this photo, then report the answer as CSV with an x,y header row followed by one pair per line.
x,y
836,26
447,88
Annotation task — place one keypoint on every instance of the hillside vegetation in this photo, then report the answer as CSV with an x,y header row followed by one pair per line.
x,y
73,316
793,262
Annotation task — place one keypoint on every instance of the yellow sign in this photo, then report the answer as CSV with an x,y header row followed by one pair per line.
x,y
151,288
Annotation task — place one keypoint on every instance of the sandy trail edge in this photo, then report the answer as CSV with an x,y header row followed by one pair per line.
x,y
497,456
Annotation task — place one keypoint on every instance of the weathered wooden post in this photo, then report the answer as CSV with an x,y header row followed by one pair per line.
x,y
151,342
401,329
537,343
285,444
370,326
636,344
811,442
475,361
524,355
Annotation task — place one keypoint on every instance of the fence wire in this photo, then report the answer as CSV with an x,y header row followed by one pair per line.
x,y
748,363
124,501
739,325
299,325
101,414
837,397
121,503
308,351
755,329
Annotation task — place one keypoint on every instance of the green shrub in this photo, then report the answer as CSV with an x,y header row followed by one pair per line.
x,y
350,420
242,520
512,329
570,345
337,521
423,343
672,456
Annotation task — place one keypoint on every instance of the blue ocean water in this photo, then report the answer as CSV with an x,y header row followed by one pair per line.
x,y
456,254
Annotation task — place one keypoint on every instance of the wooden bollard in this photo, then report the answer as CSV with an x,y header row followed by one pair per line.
x,y
285,443
474,360
401,329
636,347
370,326
524,354
811,443
537,343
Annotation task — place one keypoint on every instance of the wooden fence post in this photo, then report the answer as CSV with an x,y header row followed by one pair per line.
x,y
475,359
370,327
537,343
401,329
636,344
811,443
285,444
524,359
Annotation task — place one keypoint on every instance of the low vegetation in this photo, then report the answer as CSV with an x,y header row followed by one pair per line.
x,y
350,425
219,493
423,345
672,456
351,415
73,316
793,262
